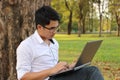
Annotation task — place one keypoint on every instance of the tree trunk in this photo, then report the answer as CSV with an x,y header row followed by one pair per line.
x,y
16,23
100,15
79,29
82,15
84,29
69,28
70,23
80,20
118,23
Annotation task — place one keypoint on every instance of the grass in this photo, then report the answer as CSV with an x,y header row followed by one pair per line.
x,y
72,45
107,57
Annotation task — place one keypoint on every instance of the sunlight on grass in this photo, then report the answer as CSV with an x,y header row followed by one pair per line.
x,y
72,45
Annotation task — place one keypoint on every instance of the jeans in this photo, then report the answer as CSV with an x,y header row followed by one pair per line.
x,y
86,73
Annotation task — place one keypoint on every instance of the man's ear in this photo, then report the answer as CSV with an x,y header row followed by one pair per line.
x,y
39,26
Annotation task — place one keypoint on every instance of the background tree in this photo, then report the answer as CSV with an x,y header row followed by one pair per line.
x,y
59,6
71,6
91,13
114,8
83,10
16,23
99,2
70,17
66,9
92,16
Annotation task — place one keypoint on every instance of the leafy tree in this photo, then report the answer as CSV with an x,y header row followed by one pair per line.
x,y
114,9
83,10
100,14
70,16
59,5
66,9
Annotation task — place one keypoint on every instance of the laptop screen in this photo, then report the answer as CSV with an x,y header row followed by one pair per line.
x,y
88,52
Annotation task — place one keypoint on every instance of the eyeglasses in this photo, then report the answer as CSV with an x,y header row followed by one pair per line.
x,y
52,28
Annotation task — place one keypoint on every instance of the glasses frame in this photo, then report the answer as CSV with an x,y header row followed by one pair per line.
x,y
52,28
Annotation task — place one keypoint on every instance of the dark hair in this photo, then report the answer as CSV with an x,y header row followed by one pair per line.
x,y
45,14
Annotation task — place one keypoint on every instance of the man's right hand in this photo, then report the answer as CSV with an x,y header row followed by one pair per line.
x,y
61,66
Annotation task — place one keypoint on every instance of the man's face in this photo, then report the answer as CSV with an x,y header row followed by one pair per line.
x,y
48,31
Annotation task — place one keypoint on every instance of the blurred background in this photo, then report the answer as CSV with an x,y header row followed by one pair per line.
x,y
81,18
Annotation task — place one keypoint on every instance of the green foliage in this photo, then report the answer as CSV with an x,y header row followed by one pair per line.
x,y
89,12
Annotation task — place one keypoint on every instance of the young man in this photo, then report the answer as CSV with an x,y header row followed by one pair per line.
x,y
37,56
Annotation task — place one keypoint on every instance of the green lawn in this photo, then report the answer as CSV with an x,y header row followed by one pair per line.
x,y
72,45
107,57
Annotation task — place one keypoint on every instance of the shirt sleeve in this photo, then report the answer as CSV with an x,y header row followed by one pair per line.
x,y
24,59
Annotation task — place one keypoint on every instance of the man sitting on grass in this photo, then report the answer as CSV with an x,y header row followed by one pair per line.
x,y
37,56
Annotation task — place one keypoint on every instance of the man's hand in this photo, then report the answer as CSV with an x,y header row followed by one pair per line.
x,y
61,66
72,65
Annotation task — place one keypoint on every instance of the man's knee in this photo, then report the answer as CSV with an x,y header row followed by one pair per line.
x,y
90,69
95,73
93,68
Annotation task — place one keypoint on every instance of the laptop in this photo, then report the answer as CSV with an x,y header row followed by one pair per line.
x,y
85,58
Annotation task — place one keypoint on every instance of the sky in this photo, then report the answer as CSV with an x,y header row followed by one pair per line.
x,y
103,7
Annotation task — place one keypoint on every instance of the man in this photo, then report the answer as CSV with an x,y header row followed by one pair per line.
x,y
37,56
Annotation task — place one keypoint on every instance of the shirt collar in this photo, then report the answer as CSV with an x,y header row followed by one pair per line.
x,y
39,38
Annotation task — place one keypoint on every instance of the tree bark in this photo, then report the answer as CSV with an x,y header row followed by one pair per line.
x,y
16,23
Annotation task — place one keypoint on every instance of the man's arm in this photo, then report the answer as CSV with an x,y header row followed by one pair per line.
x,y
36,75
45,73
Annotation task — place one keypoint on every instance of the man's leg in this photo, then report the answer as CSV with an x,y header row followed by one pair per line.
x,y
86,73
